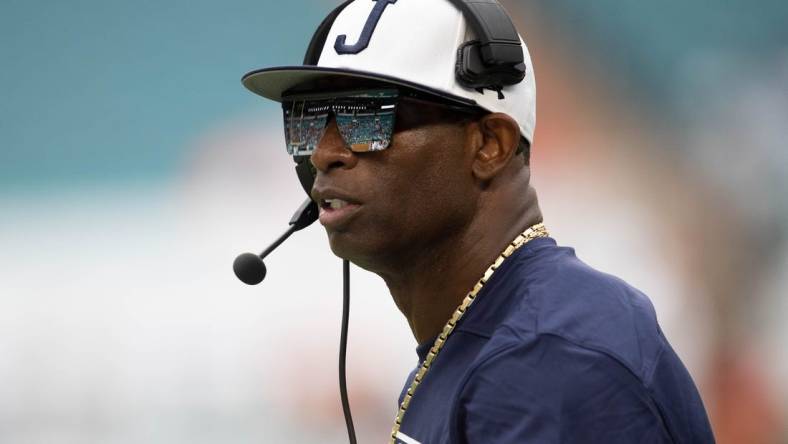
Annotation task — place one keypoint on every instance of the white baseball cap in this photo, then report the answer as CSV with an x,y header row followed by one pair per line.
x,y
414,44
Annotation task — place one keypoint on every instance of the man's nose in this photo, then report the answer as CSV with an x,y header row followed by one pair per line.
x,y
332,152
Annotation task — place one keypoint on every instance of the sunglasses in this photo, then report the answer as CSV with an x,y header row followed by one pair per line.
x,y
365,118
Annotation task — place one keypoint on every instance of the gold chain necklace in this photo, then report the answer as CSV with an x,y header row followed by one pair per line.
x,y
526,236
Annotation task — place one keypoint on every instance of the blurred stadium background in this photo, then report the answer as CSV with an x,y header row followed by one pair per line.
x,y
134,167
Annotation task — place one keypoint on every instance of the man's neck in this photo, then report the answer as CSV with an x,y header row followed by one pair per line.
x,y
431,284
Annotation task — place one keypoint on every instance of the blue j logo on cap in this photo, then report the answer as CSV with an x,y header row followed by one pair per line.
x,y
366,34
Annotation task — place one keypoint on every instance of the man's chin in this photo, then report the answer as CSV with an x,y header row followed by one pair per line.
x,y
356,249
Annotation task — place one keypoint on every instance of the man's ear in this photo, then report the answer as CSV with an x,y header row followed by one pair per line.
x,y
495,144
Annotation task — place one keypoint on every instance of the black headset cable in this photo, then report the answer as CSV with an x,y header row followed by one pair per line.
x,y
351,432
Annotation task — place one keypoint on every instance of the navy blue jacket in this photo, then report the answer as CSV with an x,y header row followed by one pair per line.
x,y
553,351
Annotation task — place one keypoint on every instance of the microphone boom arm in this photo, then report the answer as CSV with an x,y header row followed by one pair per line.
x,y
250,268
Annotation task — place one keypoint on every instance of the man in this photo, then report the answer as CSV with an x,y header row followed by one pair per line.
x,y
415,144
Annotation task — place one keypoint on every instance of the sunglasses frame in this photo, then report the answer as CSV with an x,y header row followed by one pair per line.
x,y
372,94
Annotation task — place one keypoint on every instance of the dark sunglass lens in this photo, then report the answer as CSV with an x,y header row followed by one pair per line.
x,y
304,124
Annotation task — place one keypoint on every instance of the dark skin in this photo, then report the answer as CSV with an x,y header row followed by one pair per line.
x,y
435,208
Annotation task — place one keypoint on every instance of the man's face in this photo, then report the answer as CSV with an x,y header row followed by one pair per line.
x,y
402,200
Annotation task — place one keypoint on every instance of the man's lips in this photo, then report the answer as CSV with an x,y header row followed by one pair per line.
x,y
336,207
336,212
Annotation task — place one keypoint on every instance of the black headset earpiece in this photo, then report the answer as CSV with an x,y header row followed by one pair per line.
x,y
496,59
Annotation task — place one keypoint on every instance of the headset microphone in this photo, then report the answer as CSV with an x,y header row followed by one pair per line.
x,y
249,267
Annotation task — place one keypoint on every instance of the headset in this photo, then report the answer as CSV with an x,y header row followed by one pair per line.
x,y
493,61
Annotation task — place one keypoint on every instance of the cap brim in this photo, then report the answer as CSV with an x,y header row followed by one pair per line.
x,y
272,83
